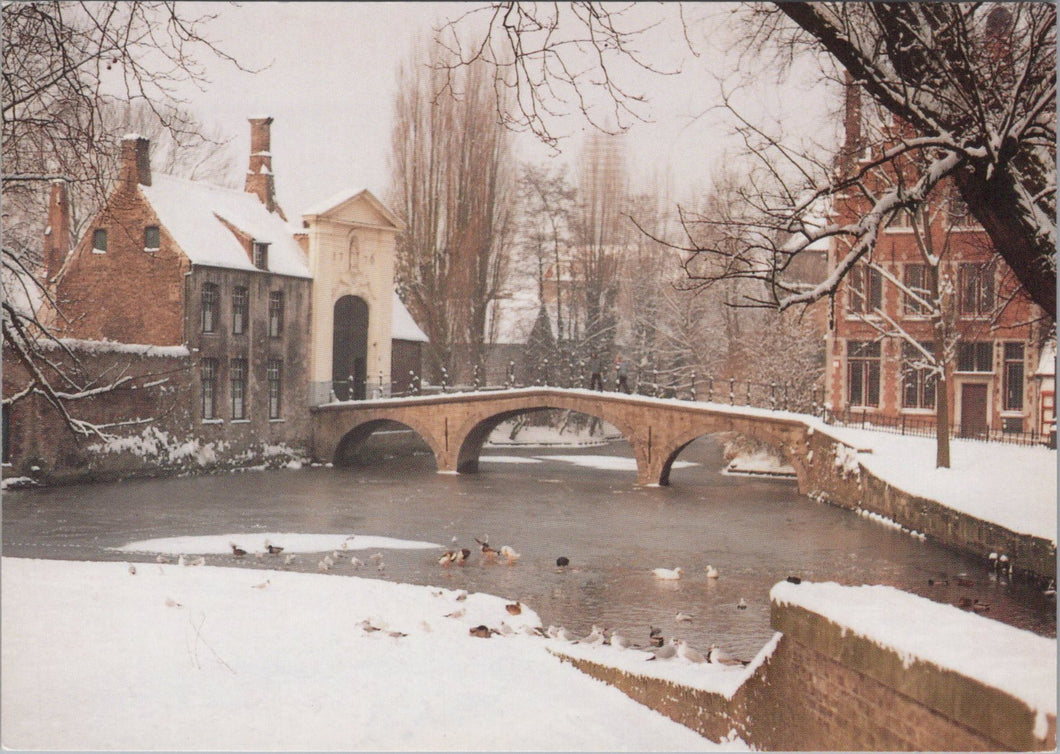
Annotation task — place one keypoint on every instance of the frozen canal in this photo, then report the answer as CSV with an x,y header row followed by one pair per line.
x,y
754,531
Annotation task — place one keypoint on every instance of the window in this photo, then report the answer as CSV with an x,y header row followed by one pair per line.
x,y
976,289
958,214
208,373
901,219
275,376
863,373
238,370
210,307
239,310
866,289
99,240
918,378
916,279
261,255
1013,377
975,357
152,238
275,314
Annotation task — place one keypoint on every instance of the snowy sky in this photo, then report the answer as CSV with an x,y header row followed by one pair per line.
x,y
328,72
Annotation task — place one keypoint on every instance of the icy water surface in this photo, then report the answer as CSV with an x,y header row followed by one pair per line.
x,y
754,531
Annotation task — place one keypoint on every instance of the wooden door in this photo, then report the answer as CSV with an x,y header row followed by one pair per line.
x,y
973,410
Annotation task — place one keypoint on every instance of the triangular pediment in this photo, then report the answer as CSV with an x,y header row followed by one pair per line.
x,y
359,207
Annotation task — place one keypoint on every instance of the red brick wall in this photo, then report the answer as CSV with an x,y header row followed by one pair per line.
x,y
126,295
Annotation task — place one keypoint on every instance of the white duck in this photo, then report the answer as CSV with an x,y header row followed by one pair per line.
x,y
668,574
712,572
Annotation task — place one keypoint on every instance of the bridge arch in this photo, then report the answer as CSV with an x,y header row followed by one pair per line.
x,y
477,429
779,440
357,436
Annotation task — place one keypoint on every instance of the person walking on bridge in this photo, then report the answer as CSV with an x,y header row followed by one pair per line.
x,y
596,369
622,372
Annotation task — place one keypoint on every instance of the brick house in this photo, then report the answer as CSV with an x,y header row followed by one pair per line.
x,y
219,275
873,372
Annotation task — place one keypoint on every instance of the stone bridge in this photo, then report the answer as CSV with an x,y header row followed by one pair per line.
x,y
456,425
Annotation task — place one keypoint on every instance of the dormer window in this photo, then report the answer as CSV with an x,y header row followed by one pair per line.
x,y
261,255
151,238
99,241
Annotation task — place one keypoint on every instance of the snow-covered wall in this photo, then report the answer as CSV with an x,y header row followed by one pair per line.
x,y
845,673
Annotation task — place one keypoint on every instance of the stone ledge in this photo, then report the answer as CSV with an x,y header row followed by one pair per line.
x,y
991,712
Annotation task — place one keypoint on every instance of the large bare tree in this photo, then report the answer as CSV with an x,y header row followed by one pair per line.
x,y
67,68
975,82
452,182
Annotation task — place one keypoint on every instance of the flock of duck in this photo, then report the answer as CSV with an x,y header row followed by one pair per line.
x,y
657,647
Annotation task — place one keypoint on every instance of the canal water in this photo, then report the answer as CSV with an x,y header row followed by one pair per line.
x,y
545,503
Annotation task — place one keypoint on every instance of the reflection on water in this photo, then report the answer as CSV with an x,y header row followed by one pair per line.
x,y
754,531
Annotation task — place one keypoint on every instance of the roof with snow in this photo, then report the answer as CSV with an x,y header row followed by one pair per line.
x,y
403,326
192,212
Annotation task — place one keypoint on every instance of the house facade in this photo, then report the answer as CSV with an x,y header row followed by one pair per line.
x,y
882,346
258,319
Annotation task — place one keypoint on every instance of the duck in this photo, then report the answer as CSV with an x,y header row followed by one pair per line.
x,y
712,572
562,561
742,604
510,554
272,549
565,634
686,652
489,554
236,550
718,656
594,638
482,632
447,559
668,574
514,608
665,652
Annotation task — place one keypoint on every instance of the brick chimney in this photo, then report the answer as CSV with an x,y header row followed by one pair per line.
x,y
853,143
57,234
260,180
135,161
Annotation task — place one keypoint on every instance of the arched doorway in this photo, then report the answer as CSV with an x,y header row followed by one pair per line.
x,y
349,348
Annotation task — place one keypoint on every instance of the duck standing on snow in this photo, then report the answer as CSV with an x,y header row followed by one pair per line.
x,y
685,652
237,551
668,574
272,549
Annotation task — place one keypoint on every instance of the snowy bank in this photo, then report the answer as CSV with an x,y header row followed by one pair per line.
x,y
979,482
183,658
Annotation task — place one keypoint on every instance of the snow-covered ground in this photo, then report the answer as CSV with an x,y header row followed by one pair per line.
x,y
191,658
1010,485
175,657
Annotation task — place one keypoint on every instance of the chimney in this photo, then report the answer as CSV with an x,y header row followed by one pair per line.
x,y
853,143
260,180
135,161
57,234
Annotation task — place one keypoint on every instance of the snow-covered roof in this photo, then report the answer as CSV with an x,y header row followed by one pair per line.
x,y
403,326
190,211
